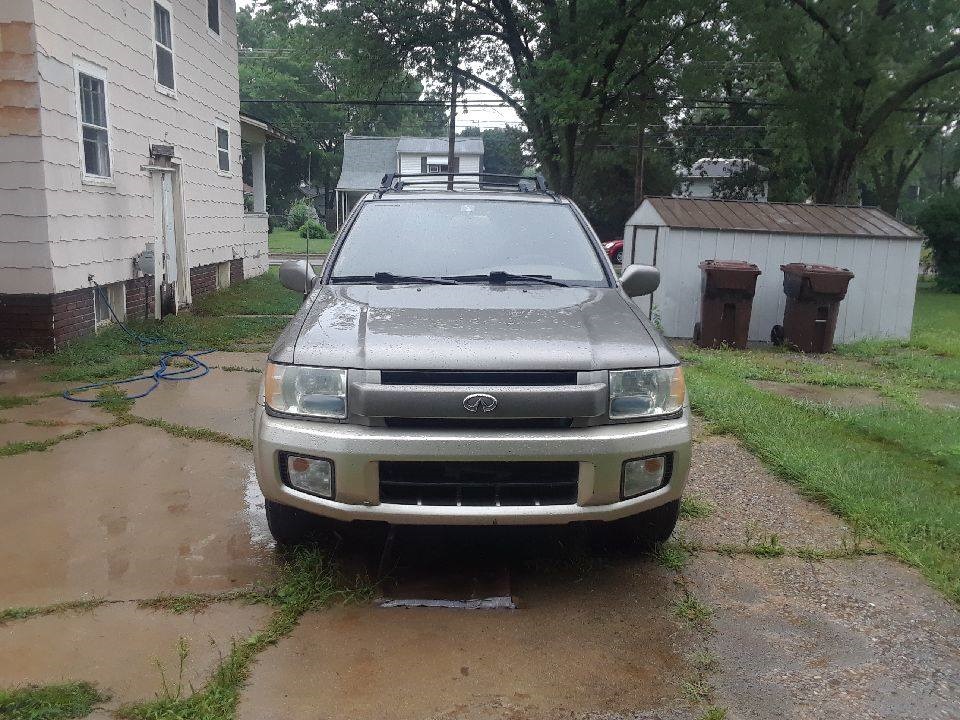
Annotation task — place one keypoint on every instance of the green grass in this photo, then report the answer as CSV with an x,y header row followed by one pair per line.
x,y
689,609
50,702
13,401
289,241
263,295
672,555
695,508
893,471
25,613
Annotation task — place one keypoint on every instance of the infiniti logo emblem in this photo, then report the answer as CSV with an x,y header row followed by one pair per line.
x,y
479,403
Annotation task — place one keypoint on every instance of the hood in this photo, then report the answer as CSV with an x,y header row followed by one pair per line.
x,y
471,327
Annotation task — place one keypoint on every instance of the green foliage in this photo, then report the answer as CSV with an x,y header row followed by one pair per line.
x,y
12,401
672,555
695,508
50,702
503,149
261,295
692,610
297,215
940,221
24,613
313,230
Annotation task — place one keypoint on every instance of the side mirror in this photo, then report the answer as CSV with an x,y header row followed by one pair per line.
x,y
297,275
638,280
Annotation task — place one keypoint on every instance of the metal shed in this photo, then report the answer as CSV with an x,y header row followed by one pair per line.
x,y
676,234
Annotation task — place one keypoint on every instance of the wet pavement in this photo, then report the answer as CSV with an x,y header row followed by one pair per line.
x,y
134,512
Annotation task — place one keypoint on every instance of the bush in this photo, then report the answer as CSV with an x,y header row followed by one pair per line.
x,y
298,214
940,221
314,231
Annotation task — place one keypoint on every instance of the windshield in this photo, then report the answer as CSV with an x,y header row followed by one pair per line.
x,y
459,238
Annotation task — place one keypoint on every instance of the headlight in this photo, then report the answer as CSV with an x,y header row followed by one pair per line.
x,y
646,393
309,391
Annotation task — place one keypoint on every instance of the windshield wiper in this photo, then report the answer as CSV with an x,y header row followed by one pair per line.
x,y
386,278
500,277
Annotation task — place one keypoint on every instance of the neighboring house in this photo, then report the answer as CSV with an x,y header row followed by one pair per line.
x,y
700,180
120,139
367,159
677,234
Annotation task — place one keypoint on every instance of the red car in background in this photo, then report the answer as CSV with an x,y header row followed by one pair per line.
x,y
614,249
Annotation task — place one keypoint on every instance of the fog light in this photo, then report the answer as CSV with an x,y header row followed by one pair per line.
x,y
309,475
643,475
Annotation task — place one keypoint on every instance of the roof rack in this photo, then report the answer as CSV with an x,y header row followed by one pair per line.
x,y
523,183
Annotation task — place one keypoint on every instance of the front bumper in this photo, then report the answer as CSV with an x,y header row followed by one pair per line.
x,y
356,451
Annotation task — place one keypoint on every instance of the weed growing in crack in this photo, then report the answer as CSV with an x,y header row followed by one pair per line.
x,y
192,433
714,713
113,401
672,555
24,613
690,609
17,448
308,581
50,702
694,508
770,548
14,401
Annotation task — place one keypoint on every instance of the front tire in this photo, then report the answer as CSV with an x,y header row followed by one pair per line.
x,y
292,526
618,257
638,533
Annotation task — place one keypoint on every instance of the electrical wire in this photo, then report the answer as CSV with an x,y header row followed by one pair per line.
x,y
163,372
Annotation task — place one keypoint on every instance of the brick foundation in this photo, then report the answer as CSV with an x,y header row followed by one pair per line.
x,y
203,280
48,322
236,270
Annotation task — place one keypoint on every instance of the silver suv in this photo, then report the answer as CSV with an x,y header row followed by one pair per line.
x,y
469,356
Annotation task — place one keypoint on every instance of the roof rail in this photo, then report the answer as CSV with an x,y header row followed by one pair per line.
x,y
523,183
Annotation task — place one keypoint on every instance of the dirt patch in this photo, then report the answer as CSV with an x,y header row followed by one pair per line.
x,y
129,512
606,644
940,399
118,646
751,504
864,638
220,401
839,396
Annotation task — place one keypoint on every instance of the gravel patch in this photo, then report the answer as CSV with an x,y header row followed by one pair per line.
x,y
864,638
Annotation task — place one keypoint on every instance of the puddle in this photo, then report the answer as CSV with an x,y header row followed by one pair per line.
x,y
838,396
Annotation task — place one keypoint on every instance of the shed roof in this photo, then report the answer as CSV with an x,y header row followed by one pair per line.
x,y
791,218
438,146
366,160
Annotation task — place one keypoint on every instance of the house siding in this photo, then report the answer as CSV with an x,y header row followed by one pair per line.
x,y
99,229
24,252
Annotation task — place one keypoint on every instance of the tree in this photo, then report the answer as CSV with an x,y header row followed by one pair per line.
x,y
503,149
940,221
566,67
844,70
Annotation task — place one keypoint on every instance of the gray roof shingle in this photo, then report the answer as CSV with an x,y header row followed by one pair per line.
x,y
438,146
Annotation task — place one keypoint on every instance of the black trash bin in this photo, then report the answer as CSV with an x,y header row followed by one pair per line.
x,y
814,293
726,301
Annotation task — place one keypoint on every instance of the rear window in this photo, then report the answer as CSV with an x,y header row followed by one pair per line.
x,y
469,237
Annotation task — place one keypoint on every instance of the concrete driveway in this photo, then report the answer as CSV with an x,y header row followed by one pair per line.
x,y
770,607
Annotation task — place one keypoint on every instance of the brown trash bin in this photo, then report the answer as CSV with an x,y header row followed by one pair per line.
x,y
814,293
725,303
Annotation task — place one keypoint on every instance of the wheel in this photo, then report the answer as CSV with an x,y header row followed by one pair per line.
x,y
618,257
776,335
696,333
638,532
292,526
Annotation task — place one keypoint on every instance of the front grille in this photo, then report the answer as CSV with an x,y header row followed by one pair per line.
x,y
477,424
479,484
471,378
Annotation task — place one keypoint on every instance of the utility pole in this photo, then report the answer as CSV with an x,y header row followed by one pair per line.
x,y
452,131
638,168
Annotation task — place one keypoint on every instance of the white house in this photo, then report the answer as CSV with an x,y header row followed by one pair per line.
x,y
367,159
120,138
701,180
677,234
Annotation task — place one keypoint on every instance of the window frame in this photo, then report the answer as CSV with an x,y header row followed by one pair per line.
x,y
160,87
210,31
443,168
83,67
225,126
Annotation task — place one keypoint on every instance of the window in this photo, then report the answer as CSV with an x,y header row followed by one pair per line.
x,y
213,15
163,37
437,168
94,130
477,237
115,294
223,148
